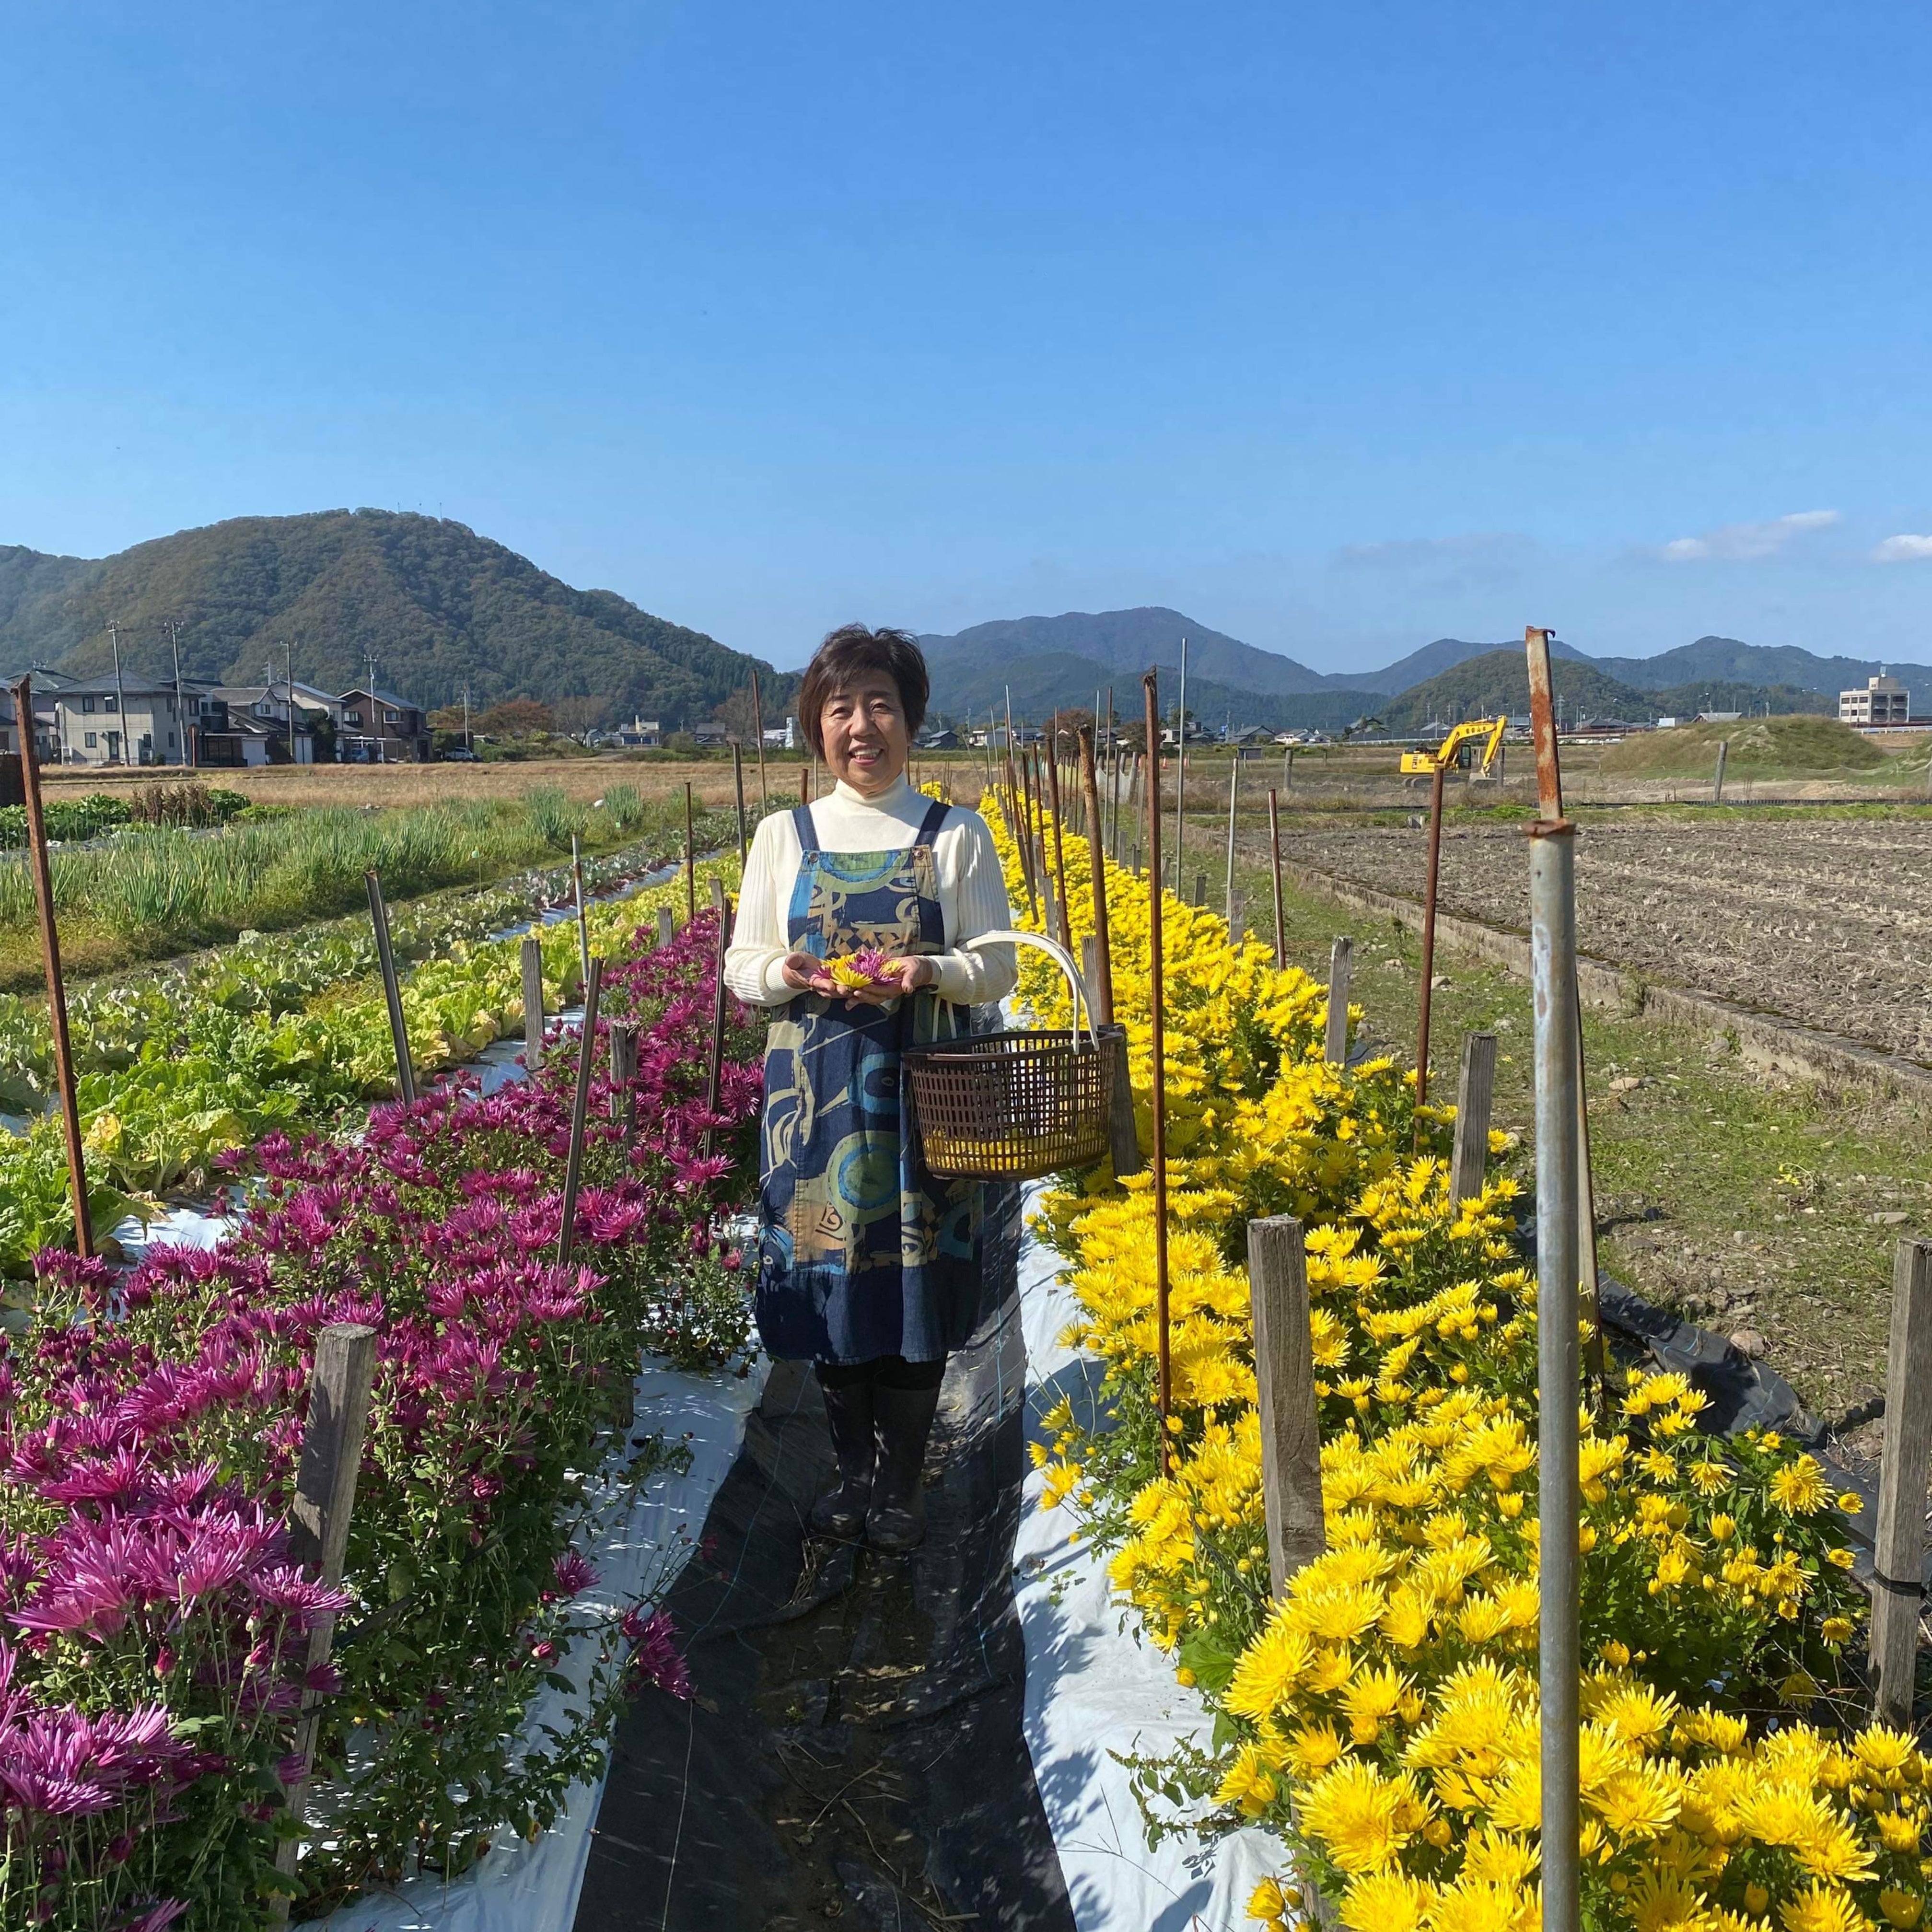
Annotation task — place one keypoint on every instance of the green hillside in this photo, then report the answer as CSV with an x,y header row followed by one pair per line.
x,y
1043,681
1498,681
1791,746
436,604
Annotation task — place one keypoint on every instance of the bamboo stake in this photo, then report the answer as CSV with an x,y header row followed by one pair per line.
x,y
738,780
1156,971
392,992
580,1111
1274,845
1059,848
583,923
1234,792
690,866
1428,948
50,962
533,1006
758,723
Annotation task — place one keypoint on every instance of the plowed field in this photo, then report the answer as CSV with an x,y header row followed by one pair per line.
x,y
1828,922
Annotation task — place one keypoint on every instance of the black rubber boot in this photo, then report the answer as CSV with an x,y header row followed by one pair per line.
x,y
841,1512
896,1521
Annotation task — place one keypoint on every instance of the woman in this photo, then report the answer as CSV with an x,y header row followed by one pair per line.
x,y
869,1265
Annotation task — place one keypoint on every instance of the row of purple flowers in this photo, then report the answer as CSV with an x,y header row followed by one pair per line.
x,y
155,1628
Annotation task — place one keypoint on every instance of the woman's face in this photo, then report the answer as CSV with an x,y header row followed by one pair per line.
x,y
863,726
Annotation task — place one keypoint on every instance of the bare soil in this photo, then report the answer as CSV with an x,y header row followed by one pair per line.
x,y
1828,922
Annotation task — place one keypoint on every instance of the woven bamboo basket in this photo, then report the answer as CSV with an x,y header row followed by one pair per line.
x,y
1014,1104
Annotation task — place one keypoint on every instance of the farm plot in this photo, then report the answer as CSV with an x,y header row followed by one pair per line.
x,y
1825,921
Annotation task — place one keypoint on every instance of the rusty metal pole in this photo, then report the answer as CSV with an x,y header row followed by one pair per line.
x,y
1428,947
1157,1002
1553,907
1274,844
50,962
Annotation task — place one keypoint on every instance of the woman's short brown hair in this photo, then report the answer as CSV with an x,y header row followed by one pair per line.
x,y
850,650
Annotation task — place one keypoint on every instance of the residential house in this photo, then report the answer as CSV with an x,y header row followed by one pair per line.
x,y
91,728
378,728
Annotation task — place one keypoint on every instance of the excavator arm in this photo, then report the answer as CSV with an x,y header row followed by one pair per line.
x,y
1426,764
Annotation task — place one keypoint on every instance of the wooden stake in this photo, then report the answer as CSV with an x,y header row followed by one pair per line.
x,y
1340,957
1898,1551
623,1071
1473,1093
1717,779
392,992
1291,1421
804,783
582,922
533,1003
666,925
50,963
1156,974
331,1457
1274,848
580,1113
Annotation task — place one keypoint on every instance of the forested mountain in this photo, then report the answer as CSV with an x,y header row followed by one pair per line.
x,y
1725,660
435,603
1130,642
1499,681
1433,659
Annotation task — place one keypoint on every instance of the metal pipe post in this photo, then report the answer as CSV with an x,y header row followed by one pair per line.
x,y
690,869
738,780
1181,781
1052,762
758,725
580,1112
1096,860
582,922
1157,1001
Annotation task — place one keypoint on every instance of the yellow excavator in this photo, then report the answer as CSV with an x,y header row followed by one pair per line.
x,y
1450,752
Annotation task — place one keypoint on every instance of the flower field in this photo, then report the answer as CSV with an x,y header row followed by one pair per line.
x,y
1383,1716
278,1031
150,1422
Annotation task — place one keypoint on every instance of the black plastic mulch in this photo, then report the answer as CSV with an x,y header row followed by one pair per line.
x,y
854,1752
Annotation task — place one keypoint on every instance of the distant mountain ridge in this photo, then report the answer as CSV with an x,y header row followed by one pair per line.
x,y
438,606
1059,660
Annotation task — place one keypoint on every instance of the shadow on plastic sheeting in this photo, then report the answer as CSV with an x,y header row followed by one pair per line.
x,y
854,1750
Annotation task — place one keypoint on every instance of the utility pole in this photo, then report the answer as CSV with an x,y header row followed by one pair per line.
x,y
173,629
1180,784
120,693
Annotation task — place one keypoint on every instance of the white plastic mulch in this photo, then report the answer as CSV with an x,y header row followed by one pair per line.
x,y
1093,1688
631,1542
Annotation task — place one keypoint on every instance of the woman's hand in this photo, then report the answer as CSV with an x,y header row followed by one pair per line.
x,y
804,973
908,976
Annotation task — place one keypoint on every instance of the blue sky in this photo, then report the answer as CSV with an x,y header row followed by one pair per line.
x,y
1339,329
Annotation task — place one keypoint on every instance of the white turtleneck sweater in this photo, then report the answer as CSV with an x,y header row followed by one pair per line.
x,y
972,892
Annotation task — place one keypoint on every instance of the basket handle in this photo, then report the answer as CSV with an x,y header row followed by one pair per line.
x,y
1061,958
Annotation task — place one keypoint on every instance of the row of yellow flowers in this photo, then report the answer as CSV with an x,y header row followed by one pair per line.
x,y
1383,1714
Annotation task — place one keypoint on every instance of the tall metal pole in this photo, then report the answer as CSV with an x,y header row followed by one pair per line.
x,y
1096,860
1157,988
1552,913
738,780
690,864
1428,943
50,960
120,691
1052,762
582,922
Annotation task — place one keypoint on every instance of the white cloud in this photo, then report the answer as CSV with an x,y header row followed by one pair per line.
x,y
1745,543
1903,549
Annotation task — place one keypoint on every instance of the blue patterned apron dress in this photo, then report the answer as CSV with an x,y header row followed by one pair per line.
x,y
863,1252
